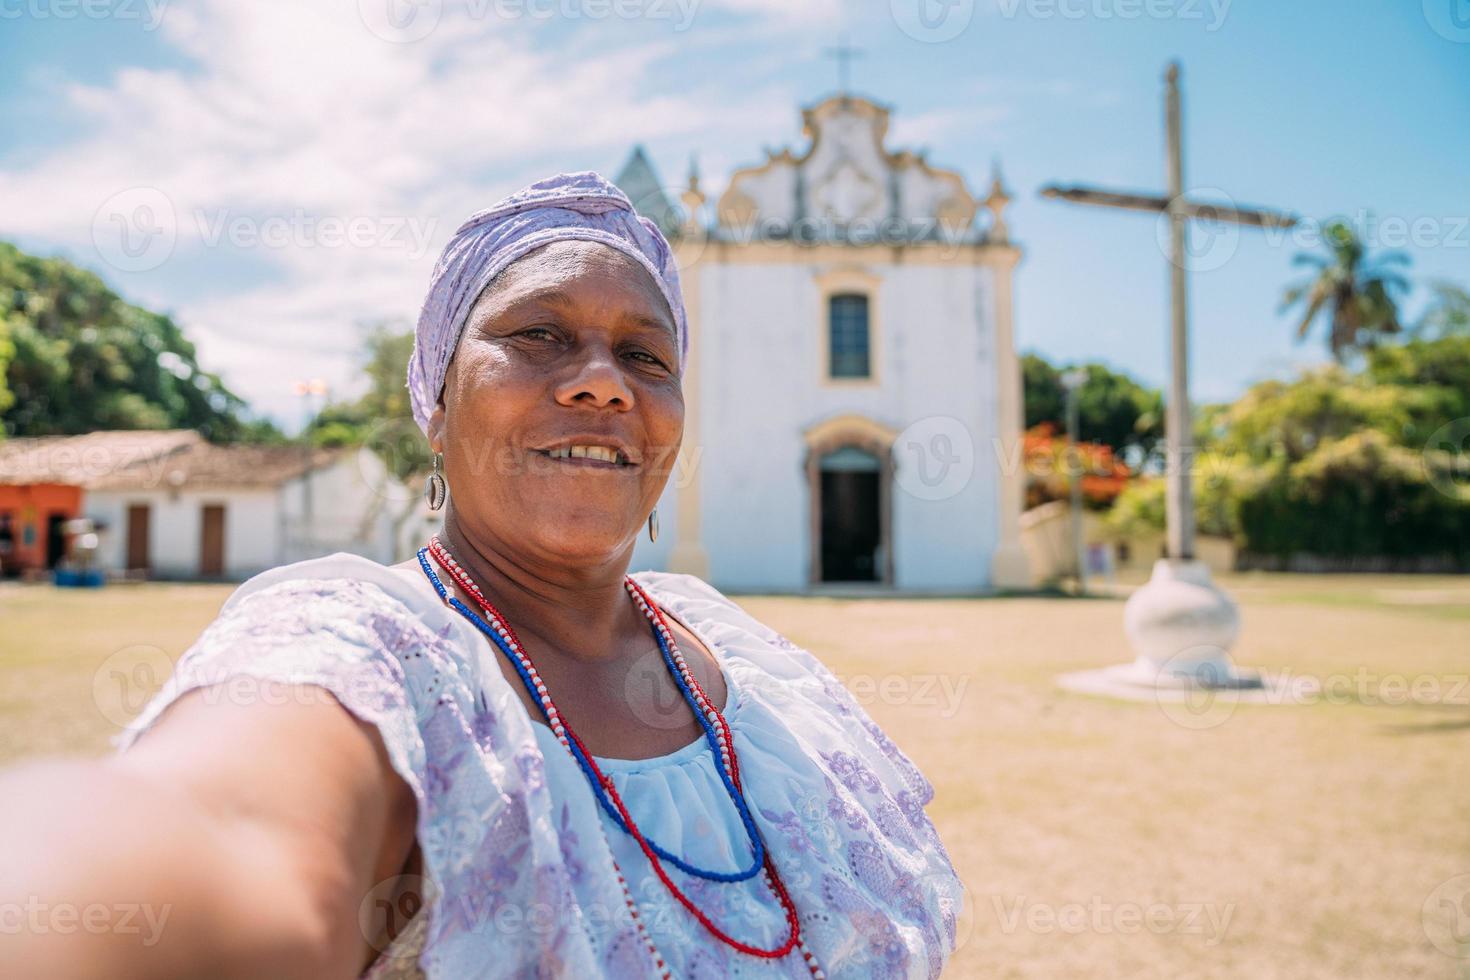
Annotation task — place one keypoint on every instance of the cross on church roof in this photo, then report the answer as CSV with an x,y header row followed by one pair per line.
x,y
844,52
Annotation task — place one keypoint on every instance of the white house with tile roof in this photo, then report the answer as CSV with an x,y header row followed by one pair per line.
x,y
171,505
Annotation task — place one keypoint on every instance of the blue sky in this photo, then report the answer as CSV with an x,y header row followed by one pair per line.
x,y
232,123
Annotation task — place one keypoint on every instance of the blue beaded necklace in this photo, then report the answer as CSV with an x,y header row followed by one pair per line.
x,y
587,767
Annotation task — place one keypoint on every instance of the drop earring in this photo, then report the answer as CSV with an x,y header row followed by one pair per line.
x,y
653,525
435,489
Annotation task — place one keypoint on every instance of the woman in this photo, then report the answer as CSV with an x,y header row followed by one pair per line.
x,y
545,766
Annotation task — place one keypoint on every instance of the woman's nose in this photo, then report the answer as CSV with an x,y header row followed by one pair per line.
x,y
596,380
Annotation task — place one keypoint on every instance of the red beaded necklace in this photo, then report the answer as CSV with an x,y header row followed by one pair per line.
x,y
499,630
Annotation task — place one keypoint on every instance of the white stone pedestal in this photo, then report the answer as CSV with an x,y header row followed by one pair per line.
x,y
1182,627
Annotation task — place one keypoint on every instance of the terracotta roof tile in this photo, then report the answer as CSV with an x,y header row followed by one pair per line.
x,y
169,459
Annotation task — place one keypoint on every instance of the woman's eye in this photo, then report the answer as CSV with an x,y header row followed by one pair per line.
x,y
536,330
647,358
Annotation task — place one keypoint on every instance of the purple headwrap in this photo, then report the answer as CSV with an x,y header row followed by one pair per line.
x,y
582,206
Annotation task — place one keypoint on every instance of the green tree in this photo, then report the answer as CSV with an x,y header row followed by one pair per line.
x,y
382,417
1356,294
76,357
1113,409
1338,463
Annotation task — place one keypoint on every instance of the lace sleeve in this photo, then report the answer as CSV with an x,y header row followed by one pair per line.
x,y
345,636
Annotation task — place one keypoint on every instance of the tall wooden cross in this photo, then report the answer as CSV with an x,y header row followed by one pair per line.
x,y
1179,492
844,52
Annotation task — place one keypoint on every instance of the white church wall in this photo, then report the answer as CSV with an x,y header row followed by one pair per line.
x,y
944,368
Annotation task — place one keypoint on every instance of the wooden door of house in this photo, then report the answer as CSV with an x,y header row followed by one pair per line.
x,y
138,520
212,541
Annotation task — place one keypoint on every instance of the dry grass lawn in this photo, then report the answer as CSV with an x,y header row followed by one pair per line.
x,y
1096,838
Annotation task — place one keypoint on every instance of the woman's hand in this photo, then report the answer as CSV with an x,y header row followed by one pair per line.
x,y
232,840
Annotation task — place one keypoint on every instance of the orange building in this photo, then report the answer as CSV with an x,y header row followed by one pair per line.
x,y
42,483
31,520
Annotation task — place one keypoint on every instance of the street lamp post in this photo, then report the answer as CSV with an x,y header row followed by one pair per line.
x,y
1073,381
305,390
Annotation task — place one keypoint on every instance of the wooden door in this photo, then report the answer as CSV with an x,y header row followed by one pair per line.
x,y
138,519
212,541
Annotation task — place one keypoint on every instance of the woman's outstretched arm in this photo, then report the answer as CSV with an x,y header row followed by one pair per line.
x,y
232,840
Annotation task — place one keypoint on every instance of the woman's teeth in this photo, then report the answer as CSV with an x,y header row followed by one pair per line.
x,y
604,453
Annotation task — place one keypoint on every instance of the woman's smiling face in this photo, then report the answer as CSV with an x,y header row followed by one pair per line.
x,y
572,346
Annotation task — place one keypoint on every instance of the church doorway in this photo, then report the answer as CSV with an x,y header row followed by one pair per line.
x,y
849,473
851,530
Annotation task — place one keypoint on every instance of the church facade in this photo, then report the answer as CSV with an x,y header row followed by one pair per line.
x,y
853,397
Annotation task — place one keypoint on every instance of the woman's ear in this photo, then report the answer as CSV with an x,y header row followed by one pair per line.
x,y
436,428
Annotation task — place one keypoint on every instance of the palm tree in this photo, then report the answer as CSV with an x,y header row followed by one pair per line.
x,y
1357,295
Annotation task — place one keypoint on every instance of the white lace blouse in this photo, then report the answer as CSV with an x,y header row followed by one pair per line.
x,y
519,855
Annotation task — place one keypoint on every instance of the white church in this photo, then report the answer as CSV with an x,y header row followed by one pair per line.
x,y
853,395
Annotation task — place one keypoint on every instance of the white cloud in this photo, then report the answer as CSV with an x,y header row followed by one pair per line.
x,y
296,114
